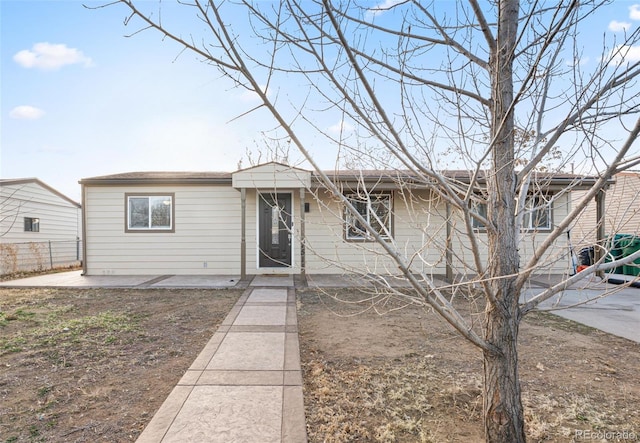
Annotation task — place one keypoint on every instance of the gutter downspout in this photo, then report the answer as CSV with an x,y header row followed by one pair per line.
x,y
303,271
243,234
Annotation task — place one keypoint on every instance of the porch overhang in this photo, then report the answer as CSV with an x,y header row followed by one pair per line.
x,y
271,176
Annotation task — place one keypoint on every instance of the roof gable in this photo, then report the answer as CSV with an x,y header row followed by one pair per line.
x,y
33,180
271,175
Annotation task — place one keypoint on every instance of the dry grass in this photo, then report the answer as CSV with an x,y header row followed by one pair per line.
x,y
363,382
93,365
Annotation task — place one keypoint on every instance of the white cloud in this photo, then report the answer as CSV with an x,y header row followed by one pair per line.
x,y
50,57
341,127
26,112
624,53
617,26
634,12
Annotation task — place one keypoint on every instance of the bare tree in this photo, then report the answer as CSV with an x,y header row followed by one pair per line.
x,y
10,209
500,89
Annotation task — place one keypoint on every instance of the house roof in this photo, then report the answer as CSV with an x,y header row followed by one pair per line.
x,y
24,181
160,177
550,180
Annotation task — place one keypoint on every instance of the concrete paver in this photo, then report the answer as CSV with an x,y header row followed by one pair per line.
x,y
246,351
226,414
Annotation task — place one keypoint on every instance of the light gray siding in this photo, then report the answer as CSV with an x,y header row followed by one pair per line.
x,y
59,221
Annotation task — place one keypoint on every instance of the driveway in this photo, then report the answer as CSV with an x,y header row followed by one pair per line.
x,y
613,309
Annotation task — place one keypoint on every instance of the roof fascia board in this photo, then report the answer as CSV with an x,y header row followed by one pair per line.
x,y
154,181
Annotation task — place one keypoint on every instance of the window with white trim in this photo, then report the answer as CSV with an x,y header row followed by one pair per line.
x,y
375,209
537,214
31,224
150,213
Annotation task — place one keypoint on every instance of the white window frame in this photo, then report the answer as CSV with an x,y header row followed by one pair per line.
x,y
533,206
352,232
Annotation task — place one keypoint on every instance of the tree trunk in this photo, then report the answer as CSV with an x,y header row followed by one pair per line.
x,y
503,414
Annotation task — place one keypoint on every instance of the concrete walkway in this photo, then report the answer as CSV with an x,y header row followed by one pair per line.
x,y
246,384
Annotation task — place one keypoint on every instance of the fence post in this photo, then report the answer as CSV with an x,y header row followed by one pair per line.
x,y
50,256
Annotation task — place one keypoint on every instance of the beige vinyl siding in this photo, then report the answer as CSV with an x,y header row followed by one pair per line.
x,y
413,226
419,226
622,210
556,260
208,229
272,176
206,238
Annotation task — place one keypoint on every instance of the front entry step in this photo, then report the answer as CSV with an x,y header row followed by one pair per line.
x,y
272,280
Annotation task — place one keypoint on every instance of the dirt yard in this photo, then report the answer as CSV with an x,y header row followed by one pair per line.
x,y
94,365
406,376
89,365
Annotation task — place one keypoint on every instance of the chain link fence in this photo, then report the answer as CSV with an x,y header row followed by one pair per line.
x,y
39,256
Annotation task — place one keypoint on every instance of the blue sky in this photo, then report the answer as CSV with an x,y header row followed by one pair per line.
x,y
79,99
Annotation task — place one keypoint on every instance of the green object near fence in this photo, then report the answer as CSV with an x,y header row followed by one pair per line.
x,y
620,246
632,246
616,245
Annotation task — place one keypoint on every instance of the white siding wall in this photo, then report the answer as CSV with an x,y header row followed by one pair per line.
x,y
59,221
206,238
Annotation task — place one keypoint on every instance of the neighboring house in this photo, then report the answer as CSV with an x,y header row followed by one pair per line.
x,y
277,219
622,214
40,228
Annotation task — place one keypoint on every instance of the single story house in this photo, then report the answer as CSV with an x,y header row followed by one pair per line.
x,y
278,219
40,228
